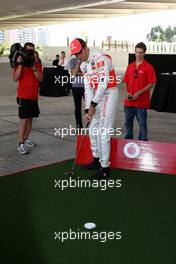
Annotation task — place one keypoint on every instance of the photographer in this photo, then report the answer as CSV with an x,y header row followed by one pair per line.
x,y
28,73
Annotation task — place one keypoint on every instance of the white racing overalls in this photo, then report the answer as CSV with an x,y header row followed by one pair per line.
x,y
101,88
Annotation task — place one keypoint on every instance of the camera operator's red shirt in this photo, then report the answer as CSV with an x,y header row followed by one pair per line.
x,y
28,85
137,79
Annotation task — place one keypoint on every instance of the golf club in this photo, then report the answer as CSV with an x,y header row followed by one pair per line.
x,y
71,172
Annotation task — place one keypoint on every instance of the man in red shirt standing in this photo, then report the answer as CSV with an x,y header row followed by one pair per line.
x,y
28,77
139,79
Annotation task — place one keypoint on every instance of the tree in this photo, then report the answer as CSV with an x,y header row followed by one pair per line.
x,y
4,48
39,48
156,34
1,50
169,34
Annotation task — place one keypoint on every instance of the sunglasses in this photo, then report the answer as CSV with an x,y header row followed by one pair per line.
x,y
135,74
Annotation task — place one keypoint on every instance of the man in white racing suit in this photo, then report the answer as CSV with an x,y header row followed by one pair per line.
x,y
101,96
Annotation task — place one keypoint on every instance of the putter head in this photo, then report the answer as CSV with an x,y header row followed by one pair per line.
x,y
69,173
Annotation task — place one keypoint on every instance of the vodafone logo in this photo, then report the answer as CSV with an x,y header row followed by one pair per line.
x,y
131,150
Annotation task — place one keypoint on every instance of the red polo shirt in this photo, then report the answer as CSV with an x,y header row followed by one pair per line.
x,y
145,74
28,85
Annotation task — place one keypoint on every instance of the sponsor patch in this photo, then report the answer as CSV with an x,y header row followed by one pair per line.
x,y
100,64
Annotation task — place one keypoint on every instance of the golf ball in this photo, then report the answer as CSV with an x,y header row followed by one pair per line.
x,y
89,225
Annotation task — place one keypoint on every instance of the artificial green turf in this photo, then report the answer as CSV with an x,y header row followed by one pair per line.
x,y
32,209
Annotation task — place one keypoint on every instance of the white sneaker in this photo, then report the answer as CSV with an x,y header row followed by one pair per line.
x,y
22,148
29,143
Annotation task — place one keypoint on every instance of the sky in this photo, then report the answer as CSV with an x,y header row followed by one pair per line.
x,y
131,28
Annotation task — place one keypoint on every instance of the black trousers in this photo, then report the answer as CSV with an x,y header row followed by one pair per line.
x,y
68,87
78,94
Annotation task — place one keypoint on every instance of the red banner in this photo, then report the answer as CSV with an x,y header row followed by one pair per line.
x,y
134,155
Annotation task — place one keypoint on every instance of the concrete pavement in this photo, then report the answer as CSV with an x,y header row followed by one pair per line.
x,y
56,112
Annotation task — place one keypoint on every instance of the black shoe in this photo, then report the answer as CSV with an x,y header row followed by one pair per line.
x,y
128,137
102,174
95,165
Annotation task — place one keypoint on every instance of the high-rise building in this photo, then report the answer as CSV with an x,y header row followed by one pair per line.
x,y
2,36
13,36
38,36
27,35
42,36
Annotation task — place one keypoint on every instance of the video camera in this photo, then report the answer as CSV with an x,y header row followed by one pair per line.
x,y
17,50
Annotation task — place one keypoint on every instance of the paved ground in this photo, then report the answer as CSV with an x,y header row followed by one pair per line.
x,y
56,113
